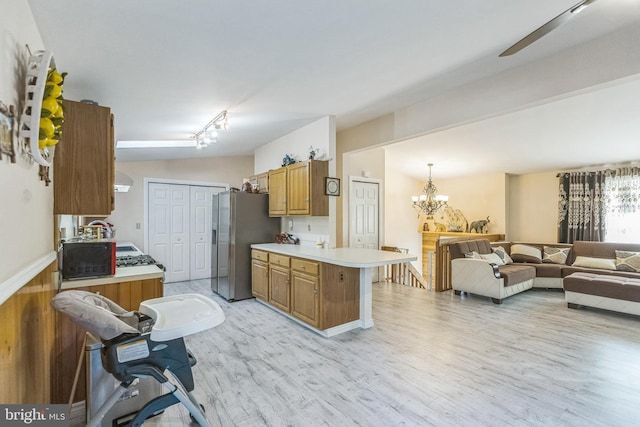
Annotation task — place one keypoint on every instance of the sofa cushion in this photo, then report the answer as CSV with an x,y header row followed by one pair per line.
x,y
493,258
568,270
526,253
502,253
458,249
592,262
608,286
472,255
549,270
628,261
516,273
599,249
554,255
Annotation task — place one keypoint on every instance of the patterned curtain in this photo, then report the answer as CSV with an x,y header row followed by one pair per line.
x,y
581,207
622,189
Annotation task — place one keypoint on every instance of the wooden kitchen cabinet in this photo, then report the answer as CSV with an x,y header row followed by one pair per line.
x,y
321,295
279,282
298,189
263,182
305,289
278,192
83,163
260,274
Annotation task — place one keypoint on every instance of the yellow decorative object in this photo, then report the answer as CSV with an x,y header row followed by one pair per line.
x,y
41,121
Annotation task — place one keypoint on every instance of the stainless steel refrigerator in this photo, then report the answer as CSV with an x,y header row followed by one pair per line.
x,y
239,220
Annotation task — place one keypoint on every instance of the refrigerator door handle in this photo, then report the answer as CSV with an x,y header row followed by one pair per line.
x,y
214,237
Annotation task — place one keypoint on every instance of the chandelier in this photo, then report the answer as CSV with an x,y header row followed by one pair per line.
x,y
430,201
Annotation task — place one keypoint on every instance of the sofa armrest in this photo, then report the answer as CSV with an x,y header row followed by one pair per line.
x,y
482,267
477,277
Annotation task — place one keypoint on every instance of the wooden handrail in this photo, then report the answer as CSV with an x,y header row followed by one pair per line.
x,y
403,273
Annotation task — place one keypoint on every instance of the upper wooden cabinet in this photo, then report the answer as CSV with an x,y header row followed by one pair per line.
x,y
83,164
298,189
263,182
278,192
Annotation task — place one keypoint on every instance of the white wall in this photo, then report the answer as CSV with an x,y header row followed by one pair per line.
x,y
533,201
477,197
320,134
130,206
26,214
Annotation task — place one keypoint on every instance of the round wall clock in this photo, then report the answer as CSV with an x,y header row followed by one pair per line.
x,y
332,186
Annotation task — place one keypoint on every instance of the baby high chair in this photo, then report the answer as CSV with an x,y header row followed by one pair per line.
x,y
147,343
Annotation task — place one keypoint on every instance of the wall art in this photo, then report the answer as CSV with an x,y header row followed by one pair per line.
x,y
7,116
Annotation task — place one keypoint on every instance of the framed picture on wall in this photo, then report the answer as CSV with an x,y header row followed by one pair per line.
x,y
332,186
6,132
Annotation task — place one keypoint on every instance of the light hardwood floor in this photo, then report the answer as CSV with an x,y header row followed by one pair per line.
x,y
432,359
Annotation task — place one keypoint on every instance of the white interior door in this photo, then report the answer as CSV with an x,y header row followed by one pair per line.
x,y
364,215
159,223
180,235
169,229
200,225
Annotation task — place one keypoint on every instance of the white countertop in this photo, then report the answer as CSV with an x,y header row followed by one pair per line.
x,y
123,274
346,257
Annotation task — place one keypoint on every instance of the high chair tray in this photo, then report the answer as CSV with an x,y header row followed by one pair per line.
x,y
180,315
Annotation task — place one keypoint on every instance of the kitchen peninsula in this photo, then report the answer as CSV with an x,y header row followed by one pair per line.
x,y
327,290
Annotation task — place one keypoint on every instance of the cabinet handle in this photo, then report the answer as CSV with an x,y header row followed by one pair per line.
x,y
315,291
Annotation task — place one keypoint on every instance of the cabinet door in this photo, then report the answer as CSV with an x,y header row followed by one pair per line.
x,y
298,189
278,192
260,279
84,161
279,289
305,302
263,183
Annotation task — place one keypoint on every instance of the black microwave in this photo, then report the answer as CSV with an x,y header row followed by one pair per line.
x,y
87,259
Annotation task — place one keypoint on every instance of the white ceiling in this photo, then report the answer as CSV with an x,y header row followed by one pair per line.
x,y
167,67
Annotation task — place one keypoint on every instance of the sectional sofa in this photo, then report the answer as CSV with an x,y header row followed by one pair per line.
x,y
596,274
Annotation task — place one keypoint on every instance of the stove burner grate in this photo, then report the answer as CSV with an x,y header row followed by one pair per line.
x,y
134,260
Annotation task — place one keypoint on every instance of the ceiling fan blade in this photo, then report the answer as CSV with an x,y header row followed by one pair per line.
x,y
547,28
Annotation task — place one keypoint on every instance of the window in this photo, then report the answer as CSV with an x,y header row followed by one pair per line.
x,y
622,215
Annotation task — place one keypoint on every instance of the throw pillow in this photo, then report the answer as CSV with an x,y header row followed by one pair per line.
x,y
589,262
555,255
502,253
526,253
492,258
472,255
628,261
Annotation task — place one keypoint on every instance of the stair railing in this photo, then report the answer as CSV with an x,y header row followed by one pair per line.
x,y
403,273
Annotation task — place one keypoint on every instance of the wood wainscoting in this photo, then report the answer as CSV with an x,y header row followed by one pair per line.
x,y
27,337
40,347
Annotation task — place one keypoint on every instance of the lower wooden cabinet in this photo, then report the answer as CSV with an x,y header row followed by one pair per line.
x,y
319,294
305,300
279,289
260,275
